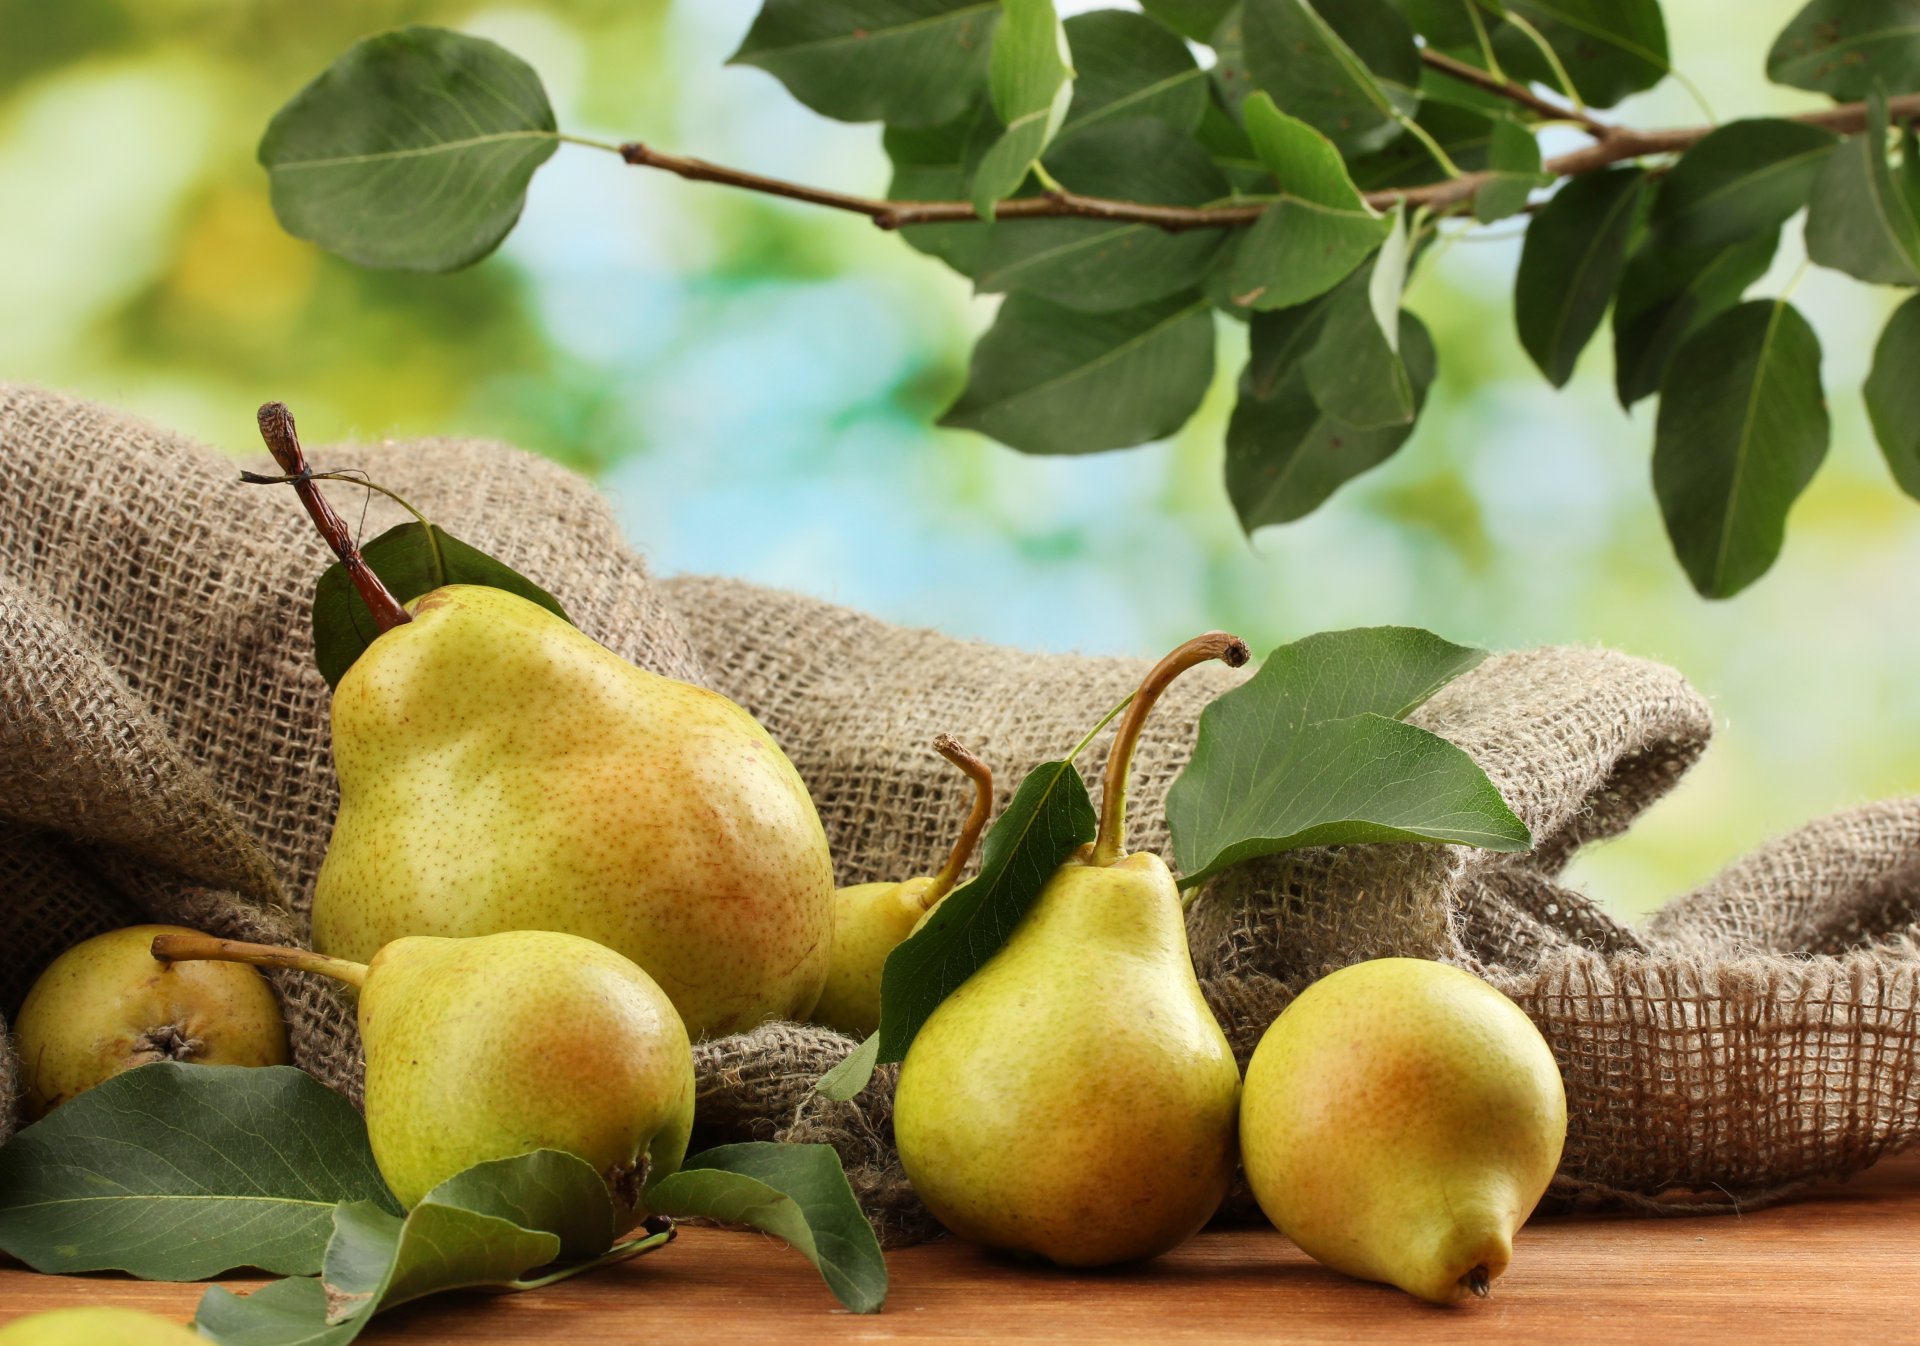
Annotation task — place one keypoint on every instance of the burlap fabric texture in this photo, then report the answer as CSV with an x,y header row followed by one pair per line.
x,y
163,754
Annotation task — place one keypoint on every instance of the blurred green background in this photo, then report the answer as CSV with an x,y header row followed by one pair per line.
x,y
754,384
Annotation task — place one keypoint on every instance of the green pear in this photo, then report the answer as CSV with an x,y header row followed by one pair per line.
x,y
489,1047
1401,1120
106,1005
1075,1099
97,1327
871,919
500,770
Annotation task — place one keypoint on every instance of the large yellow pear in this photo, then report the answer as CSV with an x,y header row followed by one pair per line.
x,y
97,1327
1401,1119
499,770
106,1005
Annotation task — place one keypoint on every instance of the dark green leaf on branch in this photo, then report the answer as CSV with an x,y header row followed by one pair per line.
x,y
1464,133
1048,379
1102,265
1845,47
180,1172
1893,395
1126,65
1667,293
1355,371
1743,179
411,152
795,1192
1865,218
1032,87
1610,48
1448,23
1318,228
1570,265
1313,751
1226,141
1196,19
1347,69
1741,431
904,62
411,559
1513,159
1232,81
937,164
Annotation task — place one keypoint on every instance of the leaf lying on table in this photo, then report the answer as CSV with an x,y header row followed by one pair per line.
x,y
494,1225
795,1192
180,1172
1311,751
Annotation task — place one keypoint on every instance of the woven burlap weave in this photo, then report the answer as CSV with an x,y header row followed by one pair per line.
x,y
163,754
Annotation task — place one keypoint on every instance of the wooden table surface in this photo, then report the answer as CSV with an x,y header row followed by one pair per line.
x,y
1841,1264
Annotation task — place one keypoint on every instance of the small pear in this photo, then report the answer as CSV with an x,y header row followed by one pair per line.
x,y
97,1327
106,1005
1075,1099
485,1048
1401,1120
870,919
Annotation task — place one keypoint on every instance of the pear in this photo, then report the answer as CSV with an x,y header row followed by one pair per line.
x,y
1401,1120
1074,1099
489,1047
870,919
500,770
105,1006
97,1327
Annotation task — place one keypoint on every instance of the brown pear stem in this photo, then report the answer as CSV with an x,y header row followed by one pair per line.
x,y
283,442
208,948
977,771
1110,841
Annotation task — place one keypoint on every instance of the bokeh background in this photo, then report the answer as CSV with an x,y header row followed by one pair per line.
x,y
755,384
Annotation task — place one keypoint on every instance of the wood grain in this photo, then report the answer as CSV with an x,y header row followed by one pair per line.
x,y
1837,1265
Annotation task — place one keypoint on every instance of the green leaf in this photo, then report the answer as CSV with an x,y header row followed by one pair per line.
x,y
1225,140
1466,135
1447,23
1285,455
937,164
1666,293
1513,158
290,1312
1744,178
1231,79
1126,65
795,1192
411,152
1893,395
1845,47
1046,379
1099,266
1311,751
411,559
1048,818
1197,19
1318,228
904,62
1345,68
1570,264
1354,370
1610,48
1032,87
178,1172
1865,221
1742,429
852,1074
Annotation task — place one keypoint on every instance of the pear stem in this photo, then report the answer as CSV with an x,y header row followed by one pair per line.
x,y
1110,842
208,948
283,442
982,777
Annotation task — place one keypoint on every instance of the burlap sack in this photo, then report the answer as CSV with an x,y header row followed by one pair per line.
x,y
163,754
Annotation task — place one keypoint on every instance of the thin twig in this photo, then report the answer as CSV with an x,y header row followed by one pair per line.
x,y
1515,92
1618,144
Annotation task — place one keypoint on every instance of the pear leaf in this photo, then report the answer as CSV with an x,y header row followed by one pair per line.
x,y
1313,751
411,559
179,1172
851,1075
1032,88
795,1192
1893,395
492,1225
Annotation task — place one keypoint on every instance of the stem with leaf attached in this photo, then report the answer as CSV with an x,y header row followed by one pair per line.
x,y
209,948
283,442
977,771
1110,841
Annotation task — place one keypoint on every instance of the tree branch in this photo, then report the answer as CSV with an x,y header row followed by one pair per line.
x,y
1516,92
1611,146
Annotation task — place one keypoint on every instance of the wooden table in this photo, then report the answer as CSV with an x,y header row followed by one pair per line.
x,y
1841,1264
